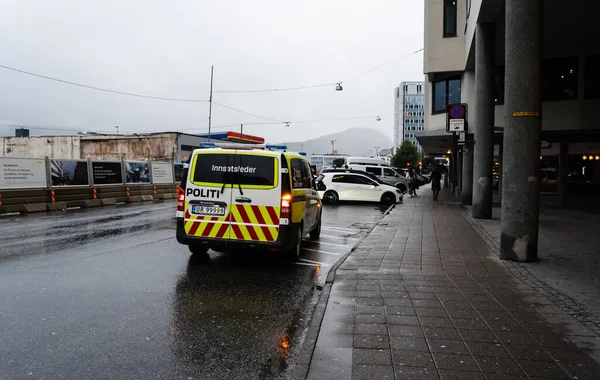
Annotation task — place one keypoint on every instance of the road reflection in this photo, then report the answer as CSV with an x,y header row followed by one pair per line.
x,y
241,321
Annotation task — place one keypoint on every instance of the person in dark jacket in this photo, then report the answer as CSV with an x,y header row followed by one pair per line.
x,y
437,171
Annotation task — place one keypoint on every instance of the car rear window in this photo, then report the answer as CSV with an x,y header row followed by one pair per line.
x,y
243,169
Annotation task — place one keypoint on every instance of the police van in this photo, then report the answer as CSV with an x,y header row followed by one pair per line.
x,y
235,198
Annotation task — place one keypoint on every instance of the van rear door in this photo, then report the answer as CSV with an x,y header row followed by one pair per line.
x,y
208,195
256,197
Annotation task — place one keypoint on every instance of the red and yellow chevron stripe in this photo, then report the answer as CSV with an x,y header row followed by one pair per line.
x,y
243,222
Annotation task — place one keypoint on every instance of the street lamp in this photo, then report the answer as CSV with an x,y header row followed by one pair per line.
x,y
116,126
338,87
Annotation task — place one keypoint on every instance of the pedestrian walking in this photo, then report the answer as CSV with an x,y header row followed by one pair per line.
x,y
411,181
437,171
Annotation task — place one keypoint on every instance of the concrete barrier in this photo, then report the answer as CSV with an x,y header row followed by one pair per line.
x,y
54,206
92,203
34,207
61,198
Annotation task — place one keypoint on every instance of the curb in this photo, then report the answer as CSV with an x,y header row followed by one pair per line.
x,y
300,371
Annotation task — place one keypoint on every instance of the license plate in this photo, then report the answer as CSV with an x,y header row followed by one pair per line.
x,y
208,210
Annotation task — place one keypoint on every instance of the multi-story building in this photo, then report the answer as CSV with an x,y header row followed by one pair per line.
x,y
528,71
409,117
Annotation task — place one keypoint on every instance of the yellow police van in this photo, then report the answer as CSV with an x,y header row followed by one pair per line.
x,y
236,198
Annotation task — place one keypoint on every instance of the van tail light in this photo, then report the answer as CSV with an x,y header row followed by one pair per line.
x,y
286,204
181,200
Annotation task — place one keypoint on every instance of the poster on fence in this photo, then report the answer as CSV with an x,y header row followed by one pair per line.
x,y
69,173
179,172
107,173
22,173
137,172
162,172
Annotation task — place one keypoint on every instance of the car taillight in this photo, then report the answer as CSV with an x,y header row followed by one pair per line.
x,y
286,204
181,200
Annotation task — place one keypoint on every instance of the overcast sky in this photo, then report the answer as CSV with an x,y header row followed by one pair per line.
x,y
166,49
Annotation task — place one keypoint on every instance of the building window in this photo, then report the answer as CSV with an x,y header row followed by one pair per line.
x,y
592,77
559,79
450,18
445,92
499,86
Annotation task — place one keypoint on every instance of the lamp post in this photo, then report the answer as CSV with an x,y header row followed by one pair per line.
x,y
116,126
332,146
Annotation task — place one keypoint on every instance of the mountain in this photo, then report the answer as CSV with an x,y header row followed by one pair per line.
x,y
353,141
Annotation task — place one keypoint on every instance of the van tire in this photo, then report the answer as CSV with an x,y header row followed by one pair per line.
x,y
331,197
401,187
293,254
388,199
198,249
316,232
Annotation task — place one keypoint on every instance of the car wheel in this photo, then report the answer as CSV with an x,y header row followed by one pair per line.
x,y
198,249
316,232
294,252
388,199
401,187
331,196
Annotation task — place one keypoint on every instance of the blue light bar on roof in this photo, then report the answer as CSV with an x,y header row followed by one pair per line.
x,y
207,145
302,154
282,147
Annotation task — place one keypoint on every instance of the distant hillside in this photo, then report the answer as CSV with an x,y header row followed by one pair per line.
x,y
353,141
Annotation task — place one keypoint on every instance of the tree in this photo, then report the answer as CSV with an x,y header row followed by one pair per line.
x,y
406,154
338,162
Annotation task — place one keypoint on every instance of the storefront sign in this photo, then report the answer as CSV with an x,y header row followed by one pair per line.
x,y
69,173
162,172
137,172
22,173
107,173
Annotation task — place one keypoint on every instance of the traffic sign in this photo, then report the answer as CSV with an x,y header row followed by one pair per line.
x,y
457,111
456,118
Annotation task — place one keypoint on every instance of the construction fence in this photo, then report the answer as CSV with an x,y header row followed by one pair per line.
x,y
45,184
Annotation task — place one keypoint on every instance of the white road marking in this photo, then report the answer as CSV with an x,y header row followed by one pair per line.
x,y
316,262
324,252
340,229
321,242
307,264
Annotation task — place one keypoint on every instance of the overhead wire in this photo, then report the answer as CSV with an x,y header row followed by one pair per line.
x,y
103,89
323,84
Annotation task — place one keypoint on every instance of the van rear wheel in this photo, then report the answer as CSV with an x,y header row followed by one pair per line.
x,y
198,249
316,232
294,252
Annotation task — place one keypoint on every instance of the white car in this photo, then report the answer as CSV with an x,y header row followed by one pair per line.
x,y
353,186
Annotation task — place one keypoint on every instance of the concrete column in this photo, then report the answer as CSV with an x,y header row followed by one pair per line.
x,y
466,189
483,153
521,168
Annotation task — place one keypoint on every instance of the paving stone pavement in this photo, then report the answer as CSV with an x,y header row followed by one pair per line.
x,y
425,297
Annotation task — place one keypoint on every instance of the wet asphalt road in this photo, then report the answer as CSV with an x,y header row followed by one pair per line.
x,y
110,294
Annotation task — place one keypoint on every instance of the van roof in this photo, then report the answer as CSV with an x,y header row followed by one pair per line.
x,y
264,152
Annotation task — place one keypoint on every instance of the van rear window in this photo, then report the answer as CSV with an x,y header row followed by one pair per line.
x,y
243,169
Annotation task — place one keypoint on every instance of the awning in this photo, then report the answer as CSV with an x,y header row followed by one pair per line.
x,y
436,142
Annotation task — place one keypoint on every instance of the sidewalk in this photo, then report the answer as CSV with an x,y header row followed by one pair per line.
x,y
424,297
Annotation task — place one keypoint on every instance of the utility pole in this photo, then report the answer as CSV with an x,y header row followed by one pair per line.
x,y
116,126
332,146
376,150
242,132
210,102
301,147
